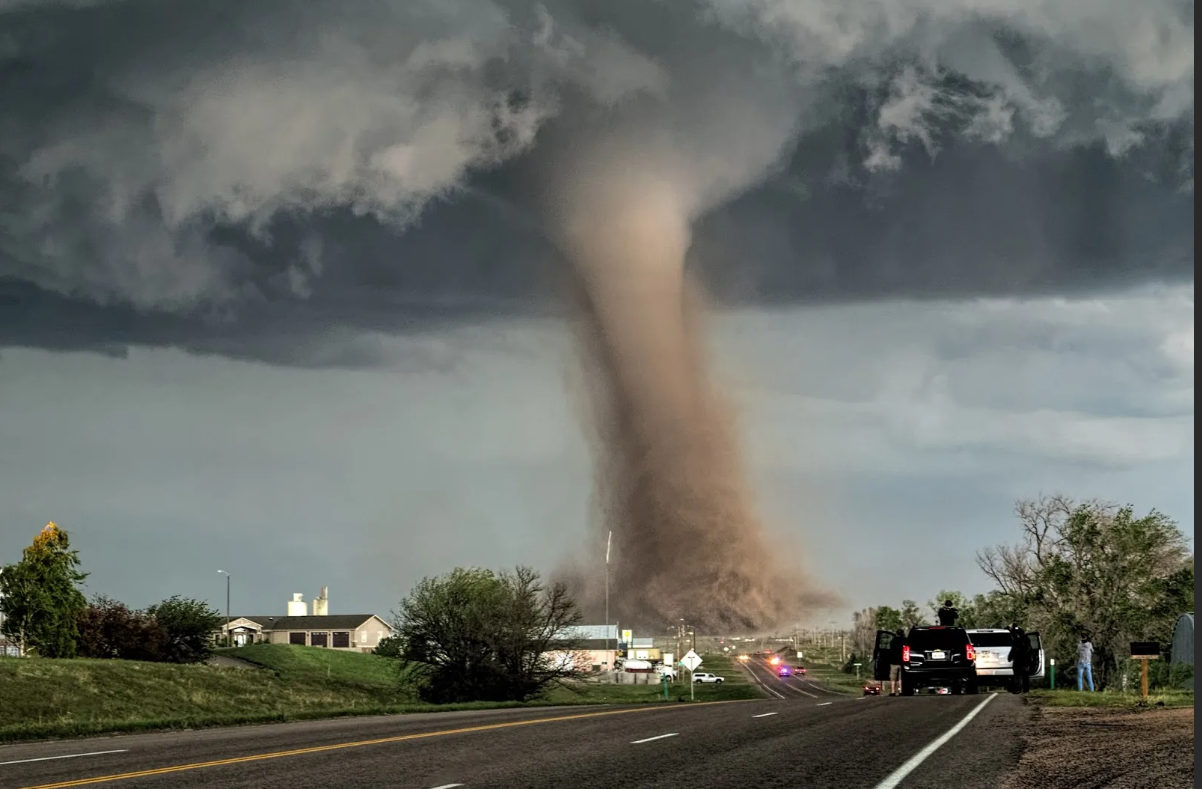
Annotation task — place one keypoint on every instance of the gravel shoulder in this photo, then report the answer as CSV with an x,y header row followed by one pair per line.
x,y
1113,748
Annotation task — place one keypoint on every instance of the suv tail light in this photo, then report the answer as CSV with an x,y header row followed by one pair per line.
x,y
970,652
906,653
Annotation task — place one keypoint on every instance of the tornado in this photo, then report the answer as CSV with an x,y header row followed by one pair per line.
x,y
670,482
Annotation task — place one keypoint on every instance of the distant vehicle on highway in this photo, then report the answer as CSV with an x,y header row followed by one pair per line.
x,y
707,678
993,656
872,689
784,671
744,658
932,657
801,671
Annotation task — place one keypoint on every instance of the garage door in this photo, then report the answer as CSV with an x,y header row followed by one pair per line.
x,y
296,638
342,640
318,639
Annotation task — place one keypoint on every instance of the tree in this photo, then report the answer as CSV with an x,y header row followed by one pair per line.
x,y
109,629
888,618
911,615
42,601
474,635
998,609
863,630
389,647
1097,569
966,608
188,626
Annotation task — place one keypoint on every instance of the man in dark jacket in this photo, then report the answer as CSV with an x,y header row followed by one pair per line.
x,y
948,614
1020,659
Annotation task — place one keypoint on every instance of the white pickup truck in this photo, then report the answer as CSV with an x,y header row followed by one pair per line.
x,y
707,678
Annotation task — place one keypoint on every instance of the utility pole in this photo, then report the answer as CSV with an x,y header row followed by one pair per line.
x,y
680,642
229,637
608,544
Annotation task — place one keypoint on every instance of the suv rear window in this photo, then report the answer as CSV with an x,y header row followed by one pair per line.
x,y
990,639
937,639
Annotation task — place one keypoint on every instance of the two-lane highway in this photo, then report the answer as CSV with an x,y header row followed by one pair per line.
x,y
764,674
842,743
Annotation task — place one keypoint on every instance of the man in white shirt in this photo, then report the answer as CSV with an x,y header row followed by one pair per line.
x,y
1084,663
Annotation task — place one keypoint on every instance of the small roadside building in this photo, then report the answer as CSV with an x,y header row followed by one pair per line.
x,y
350,632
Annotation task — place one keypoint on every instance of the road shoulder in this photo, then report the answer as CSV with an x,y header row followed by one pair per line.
x,y
1078,746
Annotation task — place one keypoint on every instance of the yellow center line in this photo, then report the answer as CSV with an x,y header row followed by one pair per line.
x,y
177,768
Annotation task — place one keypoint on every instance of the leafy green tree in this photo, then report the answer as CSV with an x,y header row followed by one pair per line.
x,y
475,635
965,606
42,601
998,609
888,618
1098,569
911,615
389,647
188,626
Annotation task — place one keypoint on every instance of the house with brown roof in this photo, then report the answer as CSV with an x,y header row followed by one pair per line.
x,y
351,632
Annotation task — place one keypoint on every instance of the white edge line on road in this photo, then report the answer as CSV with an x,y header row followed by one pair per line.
x,y
826,704
764,685
448,786
763,715
652,739
896,777
66,756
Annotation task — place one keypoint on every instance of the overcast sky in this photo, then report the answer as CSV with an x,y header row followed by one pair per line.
x,y
278,298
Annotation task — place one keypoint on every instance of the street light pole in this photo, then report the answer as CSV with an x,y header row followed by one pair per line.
x,y
229,637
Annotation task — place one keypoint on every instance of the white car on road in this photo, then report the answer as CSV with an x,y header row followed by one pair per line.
x,y
706,677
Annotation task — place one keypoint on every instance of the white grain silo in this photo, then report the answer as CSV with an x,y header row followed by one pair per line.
x,y
321,603
296,606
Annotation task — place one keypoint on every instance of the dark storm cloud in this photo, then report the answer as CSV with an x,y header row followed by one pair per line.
x,y
269,180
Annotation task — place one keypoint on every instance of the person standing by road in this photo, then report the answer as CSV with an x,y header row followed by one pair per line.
x,y
1084,662
947,614
1020,659
895,662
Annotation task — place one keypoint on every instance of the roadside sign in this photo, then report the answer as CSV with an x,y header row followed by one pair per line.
x,y
627,636
691,660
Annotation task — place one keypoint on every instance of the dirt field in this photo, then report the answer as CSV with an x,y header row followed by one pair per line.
x,y
1119,748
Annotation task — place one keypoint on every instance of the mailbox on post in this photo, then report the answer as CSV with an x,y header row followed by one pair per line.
x,y
1143,651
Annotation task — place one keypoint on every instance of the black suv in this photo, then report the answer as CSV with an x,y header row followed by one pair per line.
x,y
932,657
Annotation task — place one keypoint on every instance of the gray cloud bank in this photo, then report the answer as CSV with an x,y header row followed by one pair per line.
x,y
270,180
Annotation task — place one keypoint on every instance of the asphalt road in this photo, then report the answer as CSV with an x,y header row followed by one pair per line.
x,y
794,686
793,742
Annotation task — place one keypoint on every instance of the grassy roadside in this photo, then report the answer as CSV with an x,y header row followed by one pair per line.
x,y
823,665
1111,699
46,699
